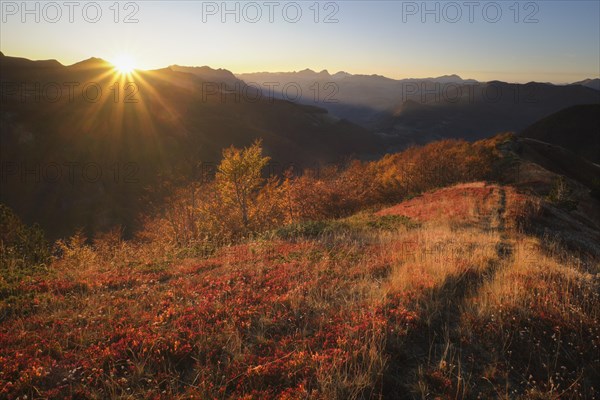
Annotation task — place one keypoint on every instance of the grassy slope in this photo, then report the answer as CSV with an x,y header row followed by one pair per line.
x,y
456,302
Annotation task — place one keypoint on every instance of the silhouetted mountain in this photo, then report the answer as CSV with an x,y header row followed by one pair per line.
x,y
163,126
575,128
10,63
445,79
591,83
168,125
421,110
91,64
209,74
477,111
361,99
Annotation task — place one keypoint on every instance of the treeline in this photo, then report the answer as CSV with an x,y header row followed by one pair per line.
x,y
240,202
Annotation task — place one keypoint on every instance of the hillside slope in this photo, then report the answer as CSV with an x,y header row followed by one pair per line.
x,y
478,111
553,172
575,128
407,303
85,140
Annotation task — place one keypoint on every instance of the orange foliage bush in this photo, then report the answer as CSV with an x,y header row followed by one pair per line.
x,y
435,165
225,211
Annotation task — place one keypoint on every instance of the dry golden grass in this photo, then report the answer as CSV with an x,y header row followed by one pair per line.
x,y
464,305
440,252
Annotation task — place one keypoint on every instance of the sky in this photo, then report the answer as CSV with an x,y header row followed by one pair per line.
x,y
515,41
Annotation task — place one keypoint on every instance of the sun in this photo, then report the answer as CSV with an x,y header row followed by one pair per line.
x,y
124,64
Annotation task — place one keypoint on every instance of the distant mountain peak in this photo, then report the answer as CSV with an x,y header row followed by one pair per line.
x,y
591,83
198,68
91,63
306,71
453,78
341,75
204,68
207,73
19,62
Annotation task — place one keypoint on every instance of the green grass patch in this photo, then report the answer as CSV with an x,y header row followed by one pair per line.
x,y
356,224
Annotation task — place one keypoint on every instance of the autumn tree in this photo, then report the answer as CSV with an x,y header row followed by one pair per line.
x,y
239,178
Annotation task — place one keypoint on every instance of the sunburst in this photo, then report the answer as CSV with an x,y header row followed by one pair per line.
x,y
124,64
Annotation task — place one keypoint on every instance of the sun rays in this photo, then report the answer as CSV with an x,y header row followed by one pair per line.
x,y
131,106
